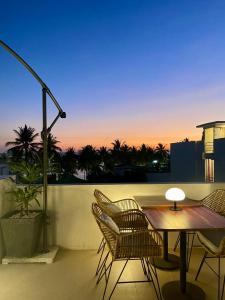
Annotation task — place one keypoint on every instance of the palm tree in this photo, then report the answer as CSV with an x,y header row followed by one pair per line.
x,y
145,155
134,156
53,149
24,145
117,144
54,158
162,155
161,151
117,150
106,159
125,154
69,161
88,160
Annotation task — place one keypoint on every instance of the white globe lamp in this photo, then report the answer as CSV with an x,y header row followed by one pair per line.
x,y
175,195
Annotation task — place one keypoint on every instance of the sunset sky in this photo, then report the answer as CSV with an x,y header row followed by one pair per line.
x,y
139,71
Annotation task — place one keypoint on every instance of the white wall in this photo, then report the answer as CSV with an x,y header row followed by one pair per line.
x,y
72,224
5,205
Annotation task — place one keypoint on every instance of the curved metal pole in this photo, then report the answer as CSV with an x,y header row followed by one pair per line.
x,y
45,170
36,76
45,132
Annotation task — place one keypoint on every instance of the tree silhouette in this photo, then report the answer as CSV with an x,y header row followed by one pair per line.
x,y
116,151
125,154
54,158
134,156
53,149
117,144
106,160
24,145
145,155
162,155
161,151
88,160
69,161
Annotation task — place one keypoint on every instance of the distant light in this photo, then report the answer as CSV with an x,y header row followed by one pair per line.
x,y
155,161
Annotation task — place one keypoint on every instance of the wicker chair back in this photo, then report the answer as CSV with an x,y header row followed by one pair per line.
x,y
215,201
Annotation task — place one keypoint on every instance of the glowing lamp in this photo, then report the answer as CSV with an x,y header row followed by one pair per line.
x,y
175,195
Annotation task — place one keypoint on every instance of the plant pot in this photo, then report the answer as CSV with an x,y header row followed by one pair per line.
x,y
21,235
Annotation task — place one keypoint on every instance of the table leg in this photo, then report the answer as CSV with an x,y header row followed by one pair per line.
x,y
182,289
168,261
165,245
183,262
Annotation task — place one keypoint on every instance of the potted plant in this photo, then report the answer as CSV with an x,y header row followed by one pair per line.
x,y
21,228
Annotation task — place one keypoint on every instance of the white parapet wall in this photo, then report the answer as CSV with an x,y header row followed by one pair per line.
x,y
5,205
72,224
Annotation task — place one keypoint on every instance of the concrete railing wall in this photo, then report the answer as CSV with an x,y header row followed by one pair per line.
x,y
5,205
72,224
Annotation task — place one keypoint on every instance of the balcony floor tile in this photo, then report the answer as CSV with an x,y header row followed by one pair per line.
x,y
71,277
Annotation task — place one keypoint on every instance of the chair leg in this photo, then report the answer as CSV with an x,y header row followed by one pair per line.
x,y
149,275
100,259
109,268
103,264
201,264
218,292
103,267
176,244
101,245
157,281
144,267
223,288
154,272
150,278
118,278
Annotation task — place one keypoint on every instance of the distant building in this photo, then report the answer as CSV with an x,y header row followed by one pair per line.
x,y
202,161
186,162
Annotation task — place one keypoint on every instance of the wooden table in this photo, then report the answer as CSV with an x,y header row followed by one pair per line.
x,y
191,218
150,201
168,261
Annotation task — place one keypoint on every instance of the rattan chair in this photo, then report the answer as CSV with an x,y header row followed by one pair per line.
x,y
214,201
122,204
118,211
127,221
214,245
124,246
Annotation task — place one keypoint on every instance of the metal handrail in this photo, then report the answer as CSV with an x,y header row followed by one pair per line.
x,y
62,114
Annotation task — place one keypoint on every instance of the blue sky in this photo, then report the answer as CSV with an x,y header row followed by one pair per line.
x,y
141,71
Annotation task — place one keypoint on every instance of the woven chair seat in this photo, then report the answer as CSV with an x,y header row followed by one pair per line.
x,y
137,245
